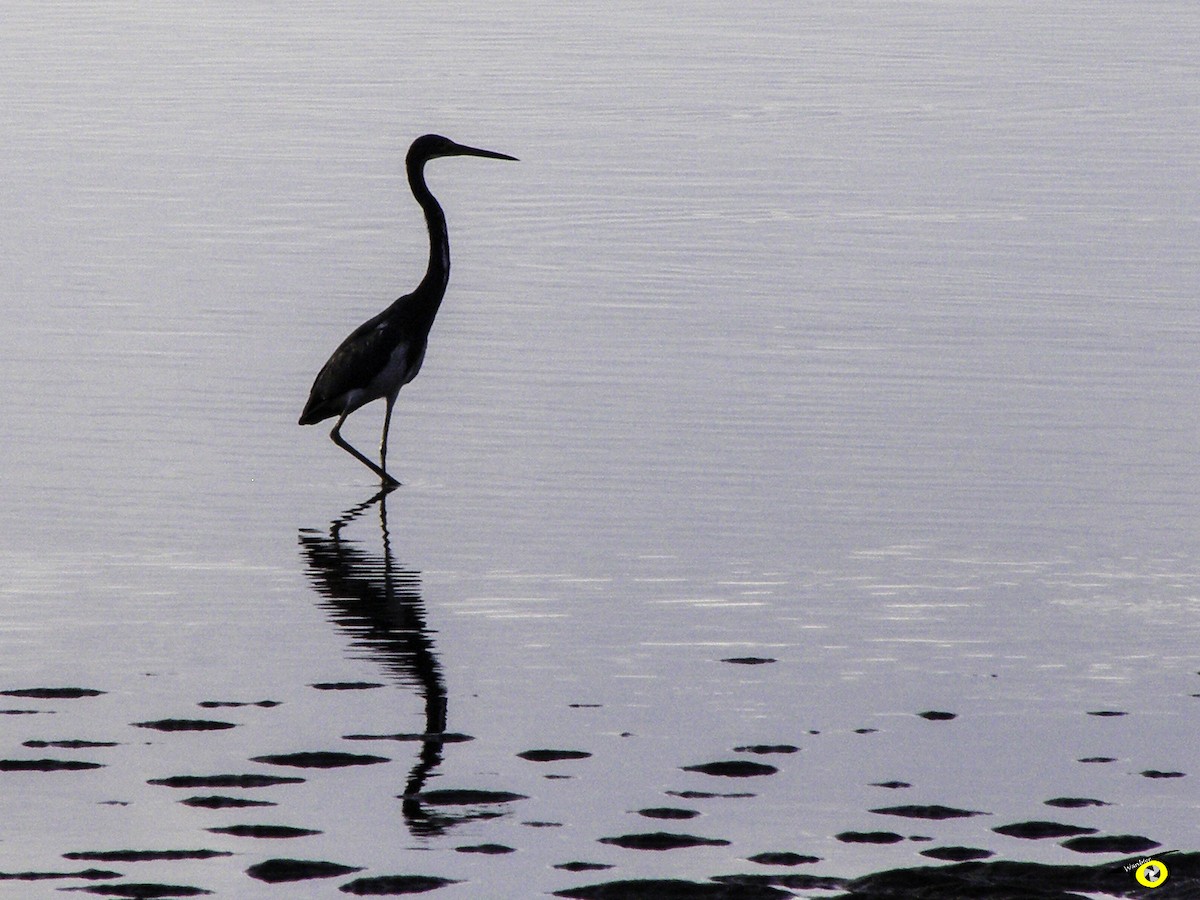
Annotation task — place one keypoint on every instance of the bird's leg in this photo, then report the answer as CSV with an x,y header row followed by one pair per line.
x,y
387,423
336,436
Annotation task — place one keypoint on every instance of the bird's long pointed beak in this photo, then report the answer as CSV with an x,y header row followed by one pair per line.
x,y
463,150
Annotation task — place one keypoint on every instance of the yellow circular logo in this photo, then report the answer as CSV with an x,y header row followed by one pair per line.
x,y
1151,873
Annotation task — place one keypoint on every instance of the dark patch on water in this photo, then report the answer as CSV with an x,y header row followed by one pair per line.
x,y
934,715
263,831
583,866
783,859
791,880
85,874
21,712
672,889
668,812
661,840
486,849
47,765
225,781
144,855
749,660
553,755
1097,759
1113,843
143,891
1037,830
1107,713
219,802
347,685
276,871
64,693
466,797
1008,880
732,768
891,785
320,759
956,854
234,704
1075,802
445,737
185,725
865,730
1155,773
542,824
928,812
766,749
708,795
394,885
585,705
869,837
69,744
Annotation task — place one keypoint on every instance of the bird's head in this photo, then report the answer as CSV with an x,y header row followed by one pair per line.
x,y
434,146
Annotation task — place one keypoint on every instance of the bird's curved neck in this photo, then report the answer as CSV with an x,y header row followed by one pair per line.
x,y
437,275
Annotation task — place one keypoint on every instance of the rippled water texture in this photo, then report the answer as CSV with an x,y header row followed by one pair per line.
x,y
801,483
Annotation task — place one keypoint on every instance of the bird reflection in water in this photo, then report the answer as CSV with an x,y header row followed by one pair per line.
x,y
378,602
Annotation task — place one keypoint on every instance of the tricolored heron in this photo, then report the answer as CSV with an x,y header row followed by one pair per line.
x,y
385,353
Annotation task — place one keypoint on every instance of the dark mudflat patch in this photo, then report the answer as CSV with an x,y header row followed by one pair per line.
x,y
553,755
661,840
69,744
486,849
1107,713
1097,759
347,685
185,725
956,854
144,891
224,781
869,837
935,715
394,885
933,812
732,768
320,759
1075,802
766,749
144,855
465,797
672,889
1155,773
783,859
60,693
20,712
1111,843
583,866
276,871
749,660
1038,830
865,730
263,831
47,765
707,795
85,874
668,812
235,704
215,801
891,785
446,737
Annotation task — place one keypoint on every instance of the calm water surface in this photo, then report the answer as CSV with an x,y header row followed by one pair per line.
x,y
854,341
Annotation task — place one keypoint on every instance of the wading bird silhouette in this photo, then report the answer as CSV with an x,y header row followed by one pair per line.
x,y
385,353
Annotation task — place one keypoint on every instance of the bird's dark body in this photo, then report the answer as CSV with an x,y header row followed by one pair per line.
x,y
385,352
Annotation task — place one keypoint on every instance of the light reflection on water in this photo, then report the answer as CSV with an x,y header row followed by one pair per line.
x,y
856,337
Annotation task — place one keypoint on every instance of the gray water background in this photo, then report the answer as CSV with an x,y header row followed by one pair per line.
x,y
861,336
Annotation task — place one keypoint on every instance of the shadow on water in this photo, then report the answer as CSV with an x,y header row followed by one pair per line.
x,y
378,602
